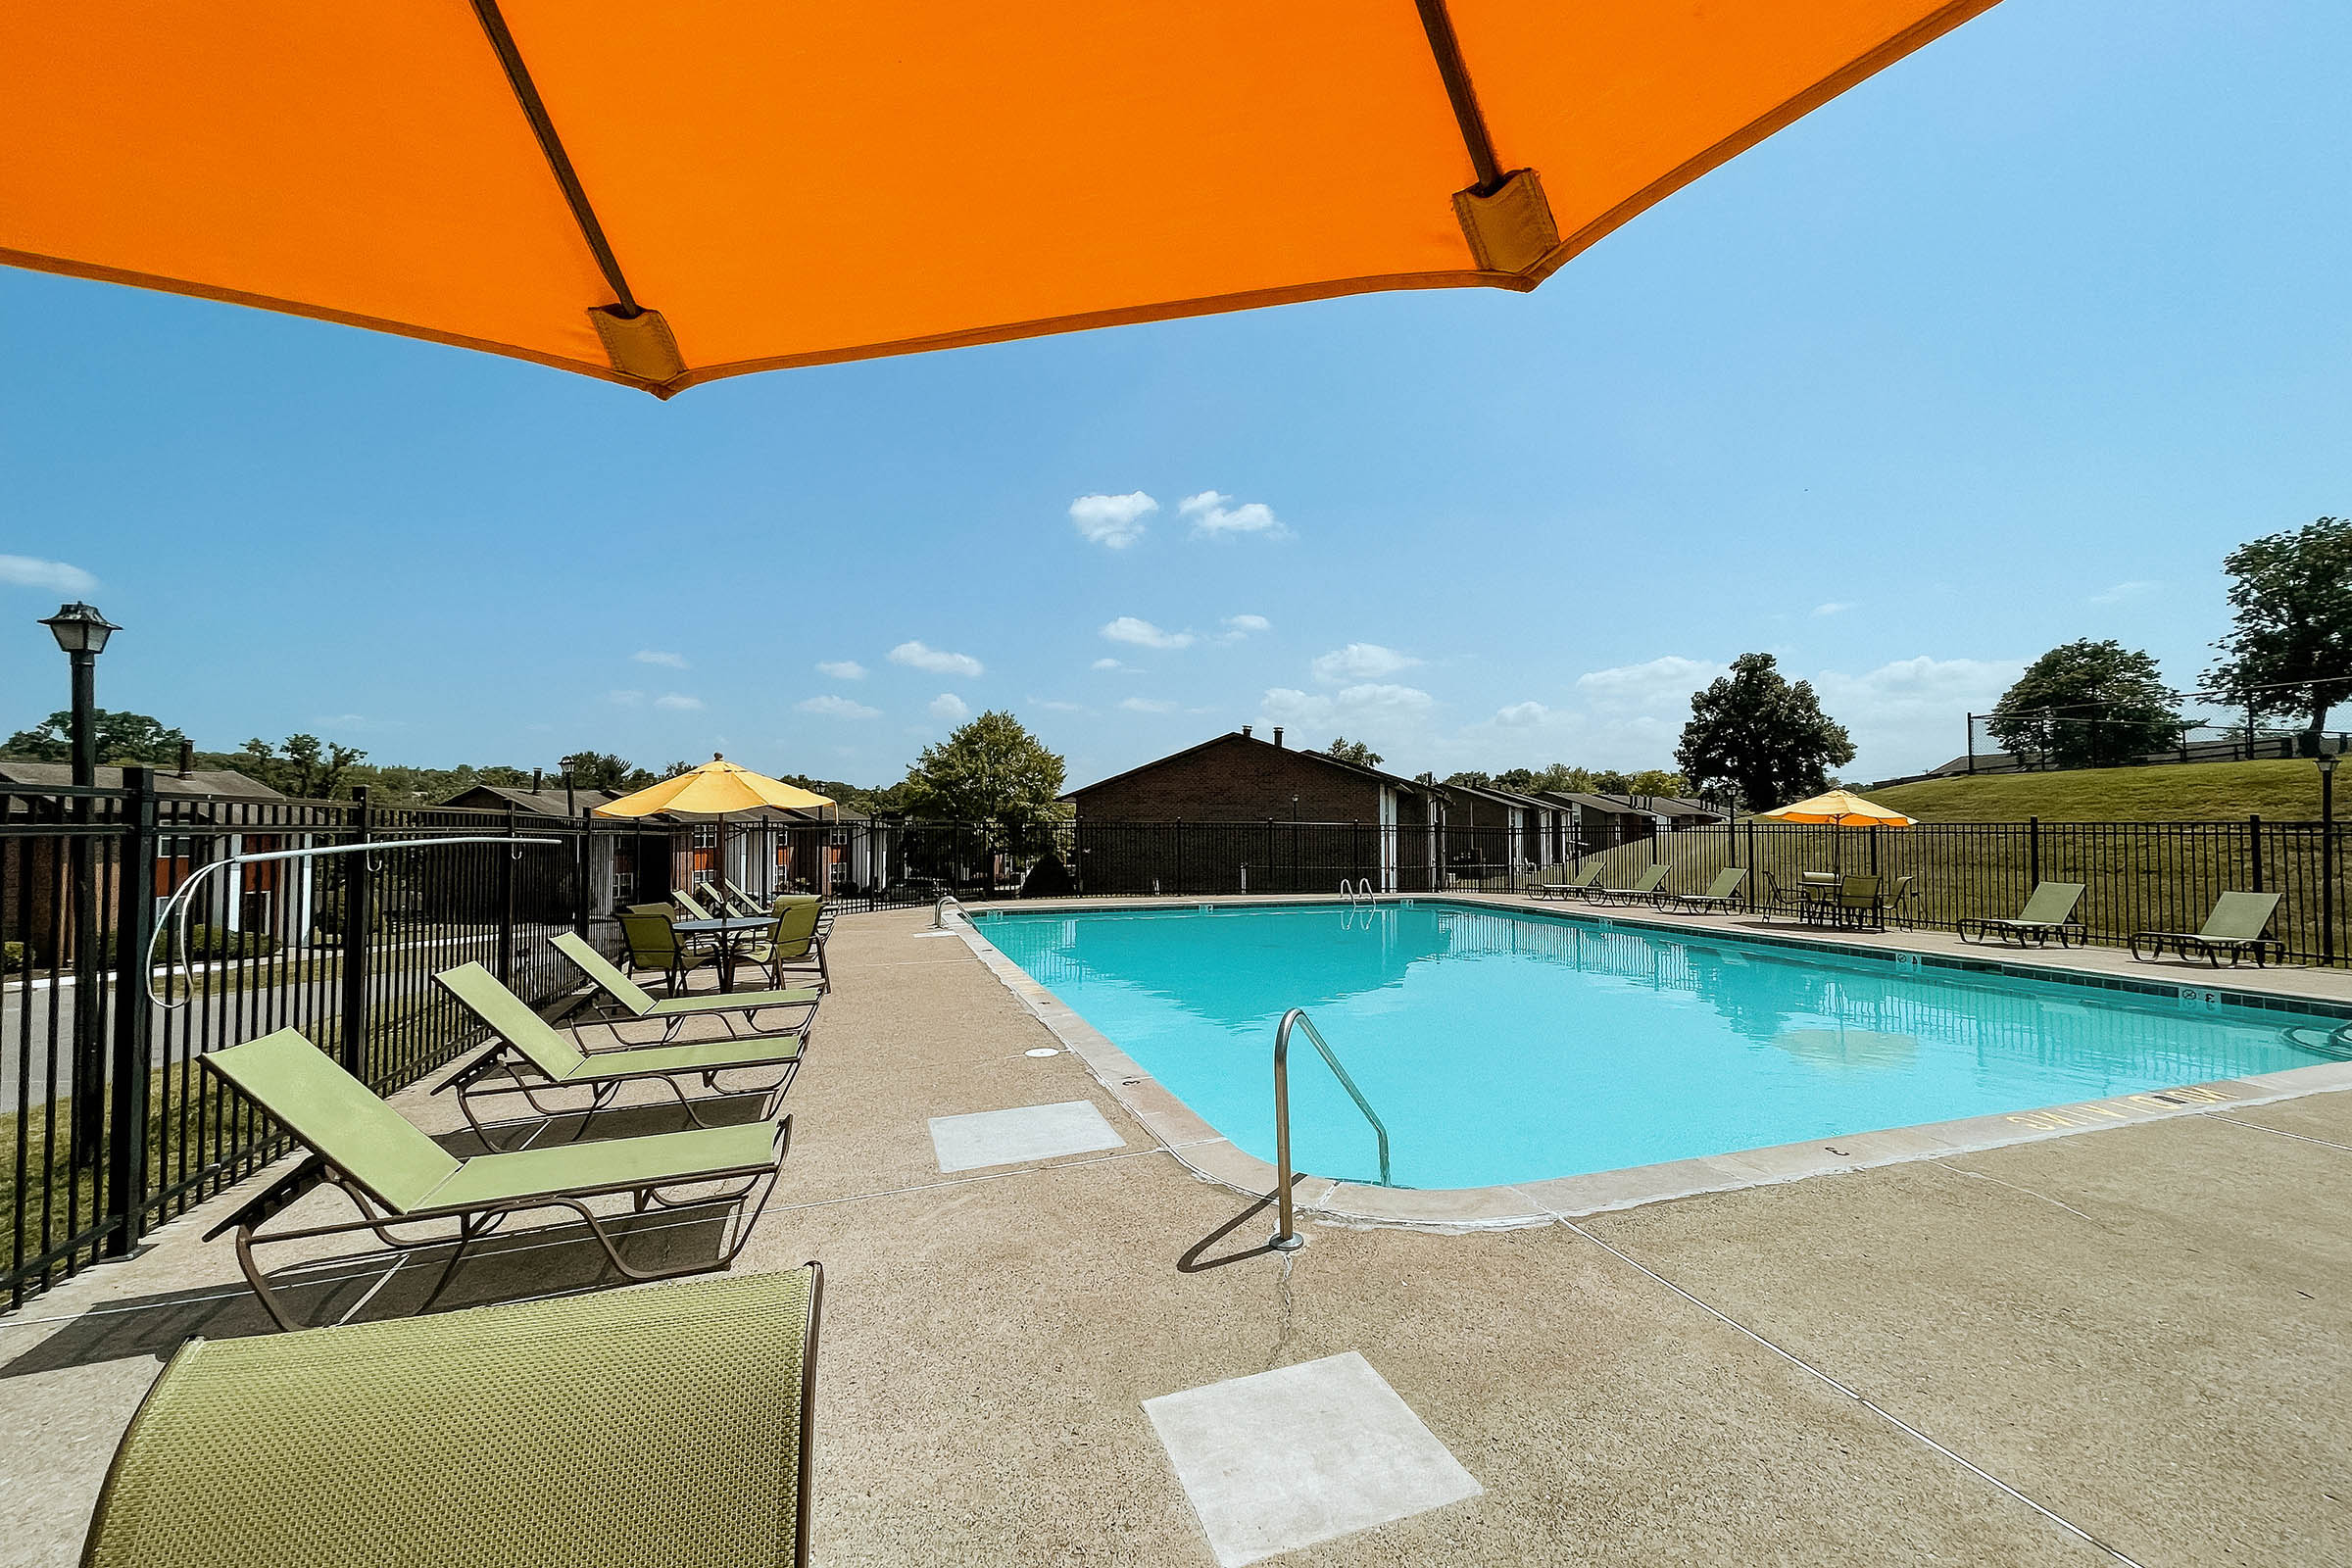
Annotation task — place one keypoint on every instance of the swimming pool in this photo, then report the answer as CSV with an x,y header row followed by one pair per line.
x,y
1503,1046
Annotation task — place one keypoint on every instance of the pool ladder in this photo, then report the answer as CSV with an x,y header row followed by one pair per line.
x,y
1361,892
1286,1238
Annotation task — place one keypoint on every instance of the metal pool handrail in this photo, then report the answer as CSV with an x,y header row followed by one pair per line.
x,y
1286,1238
939,913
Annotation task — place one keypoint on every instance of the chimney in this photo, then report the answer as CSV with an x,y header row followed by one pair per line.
x,y
538,779
188,759
1244,732
1278,734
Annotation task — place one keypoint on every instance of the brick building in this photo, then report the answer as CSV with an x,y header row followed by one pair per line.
x,y
1286,820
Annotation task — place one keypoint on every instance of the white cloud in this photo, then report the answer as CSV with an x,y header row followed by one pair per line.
x,y
1907,715
950,707
1383,707
1113,522
625,699
646,656
30,571
837,708
1209,514
678,703
1640,685
1143,634
1147,704
917,656
1107,662
840,668
1520,714
1238,627
1360,662
1836,607
2136,588
1052,706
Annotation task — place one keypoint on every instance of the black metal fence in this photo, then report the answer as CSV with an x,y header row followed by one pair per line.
x,y
108,1127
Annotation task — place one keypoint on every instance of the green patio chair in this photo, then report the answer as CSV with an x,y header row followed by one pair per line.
x,y
2048,912
535,1059
1859,905
396,1176
1720,896
656,1427
2234,927
1643,890
651,937
793,946
1576,886
637,1004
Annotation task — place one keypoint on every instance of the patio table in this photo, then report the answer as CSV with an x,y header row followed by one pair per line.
x,y
729,934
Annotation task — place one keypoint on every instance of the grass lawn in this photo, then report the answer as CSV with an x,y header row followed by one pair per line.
x,y
2285,791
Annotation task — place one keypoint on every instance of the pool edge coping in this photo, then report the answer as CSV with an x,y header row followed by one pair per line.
x,y
1213,1158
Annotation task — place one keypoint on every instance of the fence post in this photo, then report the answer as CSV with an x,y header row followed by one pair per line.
x,y
359,909
506,901
584,866
1873,849
2254,847
134,1020
2032,852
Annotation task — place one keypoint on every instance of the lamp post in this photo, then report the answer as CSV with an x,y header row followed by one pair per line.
x,y
81,633
2326,762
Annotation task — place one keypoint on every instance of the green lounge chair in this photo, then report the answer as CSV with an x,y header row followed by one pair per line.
x,y
1722,894
661,1426
2048,912
693,912
740,902
396,1176
2234,927
1645,891
534,1057
1575,887
641,1005
651,940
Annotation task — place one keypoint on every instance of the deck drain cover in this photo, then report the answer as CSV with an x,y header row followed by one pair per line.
x,y
1043,1051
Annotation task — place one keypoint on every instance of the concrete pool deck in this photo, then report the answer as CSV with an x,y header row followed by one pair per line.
x,y
2134,1346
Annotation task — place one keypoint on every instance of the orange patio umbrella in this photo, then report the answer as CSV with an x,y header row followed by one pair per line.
x,y
664,195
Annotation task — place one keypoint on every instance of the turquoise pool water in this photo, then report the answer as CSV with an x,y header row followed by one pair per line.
x,y
1504,1048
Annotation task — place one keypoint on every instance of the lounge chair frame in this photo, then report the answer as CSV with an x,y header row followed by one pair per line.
x,y
610,1007
473,1221
2029,933
1709,903
1576,887
1647,890
2199,944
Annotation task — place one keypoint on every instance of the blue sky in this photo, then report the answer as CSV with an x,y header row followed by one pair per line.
x,y
2006,347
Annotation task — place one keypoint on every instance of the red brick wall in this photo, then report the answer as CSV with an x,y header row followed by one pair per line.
x,y
1235,779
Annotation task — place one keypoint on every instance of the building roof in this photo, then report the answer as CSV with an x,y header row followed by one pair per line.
x,y
1307,753
543,801
201,781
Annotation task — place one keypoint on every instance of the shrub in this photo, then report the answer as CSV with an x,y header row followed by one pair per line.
x,y
1048,878
12,957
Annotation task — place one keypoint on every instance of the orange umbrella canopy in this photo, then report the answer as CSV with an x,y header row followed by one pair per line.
x,y
662,195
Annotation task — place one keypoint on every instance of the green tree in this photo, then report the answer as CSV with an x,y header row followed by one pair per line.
x,y
1344,750
1472,778
1760,736
2086,705
123,737
602,770
2289,649
990,771
302,768
1656,781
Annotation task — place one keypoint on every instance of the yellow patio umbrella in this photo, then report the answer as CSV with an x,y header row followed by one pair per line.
x,y
661,195
1838,808
717,789
713,793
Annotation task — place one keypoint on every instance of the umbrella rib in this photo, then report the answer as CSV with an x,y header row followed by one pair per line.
x,y
1438,23
534,110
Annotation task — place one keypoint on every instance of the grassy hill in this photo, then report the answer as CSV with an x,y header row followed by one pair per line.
x,y
2280,791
